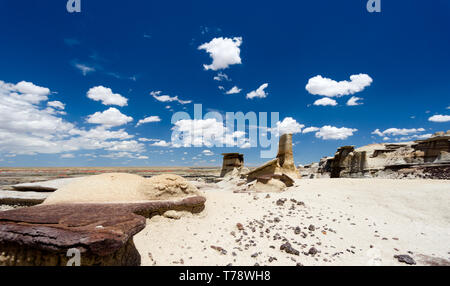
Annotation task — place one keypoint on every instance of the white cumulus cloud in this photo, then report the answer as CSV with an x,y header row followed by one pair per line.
x,y
259,93
397,131
106,96
334,133
354,101
223,51
234,90
325,102
27,128
319,85
439,118
56,104
161,143
222,77
149,119
310,129
109,118
289,126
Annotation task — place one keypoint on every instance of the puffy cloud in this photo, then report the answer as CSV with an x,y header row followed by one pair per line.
x,y
106,96
161,143
26,91
56,104
30,88
207,153
109,118
325,102
310,129
67,156
259,93
319,85
149,119
333,133
354,101
166,98
397,131
205,132
130,145
439,118
221,77
234,90
26,128
223,51
289,126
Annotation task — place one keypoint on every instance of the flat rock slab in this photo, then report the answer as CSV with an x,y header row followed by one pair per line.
x,y
102,233
45,186
22,198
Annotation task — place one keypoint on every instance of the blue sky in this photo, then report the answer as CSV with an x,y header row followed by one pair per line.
x,y
73,86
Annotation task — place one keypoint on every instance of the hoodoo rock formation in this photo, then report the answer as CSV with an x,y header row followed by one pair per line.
x,y
282,165
429,158
279,173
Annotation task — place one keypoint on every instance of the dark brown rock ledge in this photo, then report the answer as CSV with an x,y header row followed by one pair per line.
x,y
42,235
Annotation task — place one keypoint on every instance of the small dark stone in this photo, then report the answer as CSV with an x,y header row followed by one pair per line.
x,y
219,249
297,230
312,251
287,247
312,228
405,259
280,202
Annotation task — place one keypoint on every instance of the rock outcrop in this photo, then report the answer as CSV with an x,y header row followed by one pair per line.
x,y
45,186
22,198
97,216
102,233
120,188
278,173
429,158
233,163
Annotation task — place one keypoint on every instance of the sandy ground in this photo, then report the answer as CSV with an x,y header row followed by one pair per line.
x,y
356,222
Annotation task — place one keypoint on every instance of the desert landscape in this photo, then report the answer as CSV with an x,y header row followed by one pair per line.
x,y
345,210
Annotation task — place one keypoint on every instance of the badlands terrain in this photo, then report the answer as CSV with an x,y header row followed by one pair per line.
x,y
314,222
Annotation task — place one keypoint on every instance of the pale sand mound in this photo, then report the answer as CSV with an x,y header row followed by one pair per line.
x,y
121,187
